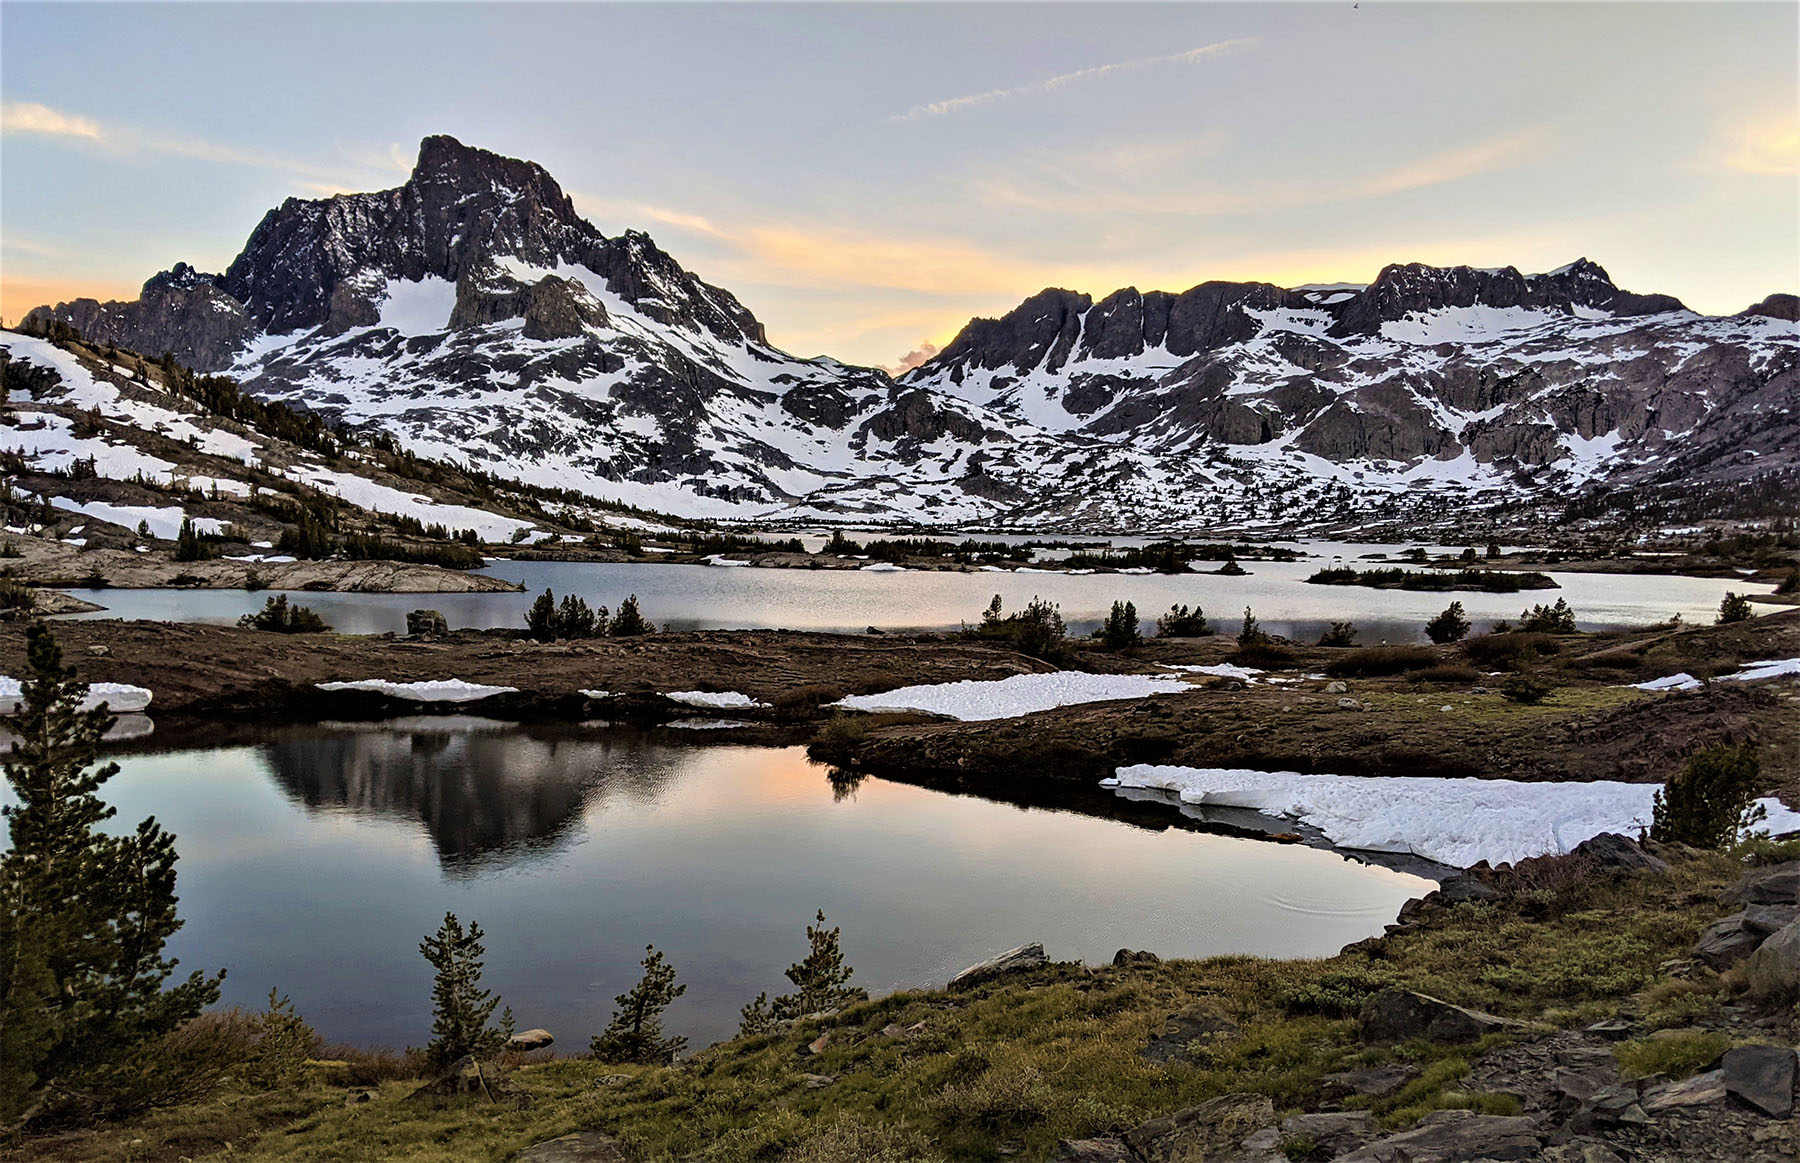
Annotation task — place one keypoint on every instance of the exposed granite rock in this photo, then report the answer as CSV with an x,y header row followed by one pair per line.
x,y
1020,960
1396,1015
1454,1136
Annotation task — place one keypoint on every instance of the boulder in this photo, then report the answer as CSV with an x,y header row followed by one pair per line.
x,y
1700,1090
1762,1077
526,1041
426,623
1454,1136
1368,1081
817,1081
1211,1131
583,1147
1189,1036
1773,971
1729,940
1126,958
1337,688
1611,850
1396,1015
1025,957
1333,1132
1777,884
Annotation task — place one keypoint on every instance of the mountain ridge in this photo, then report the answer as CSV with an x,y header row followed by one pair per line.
x,y
472,313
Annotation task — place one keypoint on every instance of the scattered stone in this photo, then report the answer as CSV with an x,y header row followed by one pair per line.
x,y
1396,1015
817,1081
1189,1036
1349,705
896,1030
1336,1132
614,1079
583,1147
1761,1076
99,651
1212,1130
358,1097
1699,1090
528,1040
1777,884
1612,1029
1025,957
1773,971
1368,1081
817,1045
426,624
1337,688
1454,1136
1611,850
1126,958
1107,1150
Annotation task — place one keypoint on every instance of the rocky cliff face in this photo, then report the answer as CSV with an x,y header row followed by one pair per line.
x,y
474,315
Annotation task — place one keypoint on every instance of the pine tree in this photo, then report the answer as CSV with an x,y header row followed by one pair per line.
x,y
635,1032
86,914
574,619
1339,634
1449,626
1120,631
541,620
822,980
629,622
188,546
1252,632
1734,608
460,1008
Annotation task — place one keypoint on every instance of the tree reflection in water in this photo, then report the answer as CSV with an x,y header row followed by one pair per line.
x,y
489,794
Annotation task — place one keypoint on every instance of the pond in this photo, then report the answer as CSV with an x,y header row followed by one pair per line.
x,y
686,597
314,860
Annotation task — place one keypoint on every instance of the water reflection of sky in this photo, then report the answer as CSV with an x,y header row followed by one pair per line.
x,y
690,596
316,861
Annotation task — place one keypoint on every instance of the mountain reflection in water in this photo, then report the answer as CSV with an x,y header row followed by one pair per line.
x,y
489,794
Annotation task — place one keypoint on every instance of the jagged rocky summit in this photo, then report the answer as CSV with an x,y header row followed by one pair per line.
x,y
473,314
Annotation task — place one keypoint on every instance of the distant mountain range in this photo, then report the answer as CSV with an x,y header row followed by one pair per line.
x,y
472,314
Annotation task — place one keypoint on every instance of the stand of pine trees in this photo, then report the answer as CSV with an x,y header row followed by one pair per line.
x,y
84,920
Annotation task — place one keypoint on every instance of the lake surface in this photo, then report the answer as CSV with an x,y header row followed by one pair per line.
x,y
315,861
712,597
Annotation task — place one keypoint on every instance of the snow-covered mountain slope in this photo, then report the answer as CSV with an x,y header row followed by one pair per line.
x,y
109,440
472,314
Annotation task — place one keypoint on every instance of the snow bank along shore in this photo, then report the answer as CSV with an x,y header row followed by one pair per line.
x,y
120,698
448,690
1453,821
1753,672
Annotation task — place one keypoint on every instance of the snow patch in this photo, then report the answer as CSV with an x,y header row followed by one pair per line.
x,y
120,698
449,690
718,699
1022,694
1453,821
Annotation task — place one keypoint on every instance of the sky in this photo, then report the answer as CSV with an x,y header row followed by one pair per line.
x,y
866,178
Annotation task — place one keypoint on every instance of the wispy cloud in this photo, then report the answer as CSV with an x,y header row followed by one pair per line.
x,y
31,117
1769,145
1062,81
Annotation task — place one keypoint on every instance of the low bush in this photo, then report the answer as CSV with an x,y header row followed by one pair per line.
x,y
1508,651
1180,622
1676,1055
1036,630
1448,673
1374,661
1733,608
280,618
1263,655
1450,626
1710,802
1524,688
1340,634
1540,619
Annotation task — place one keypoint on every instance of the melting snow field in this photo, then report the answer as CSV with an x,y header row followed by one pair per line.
x,y
120,698
718,699
1755,671
1005,698
1453,821
449,690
